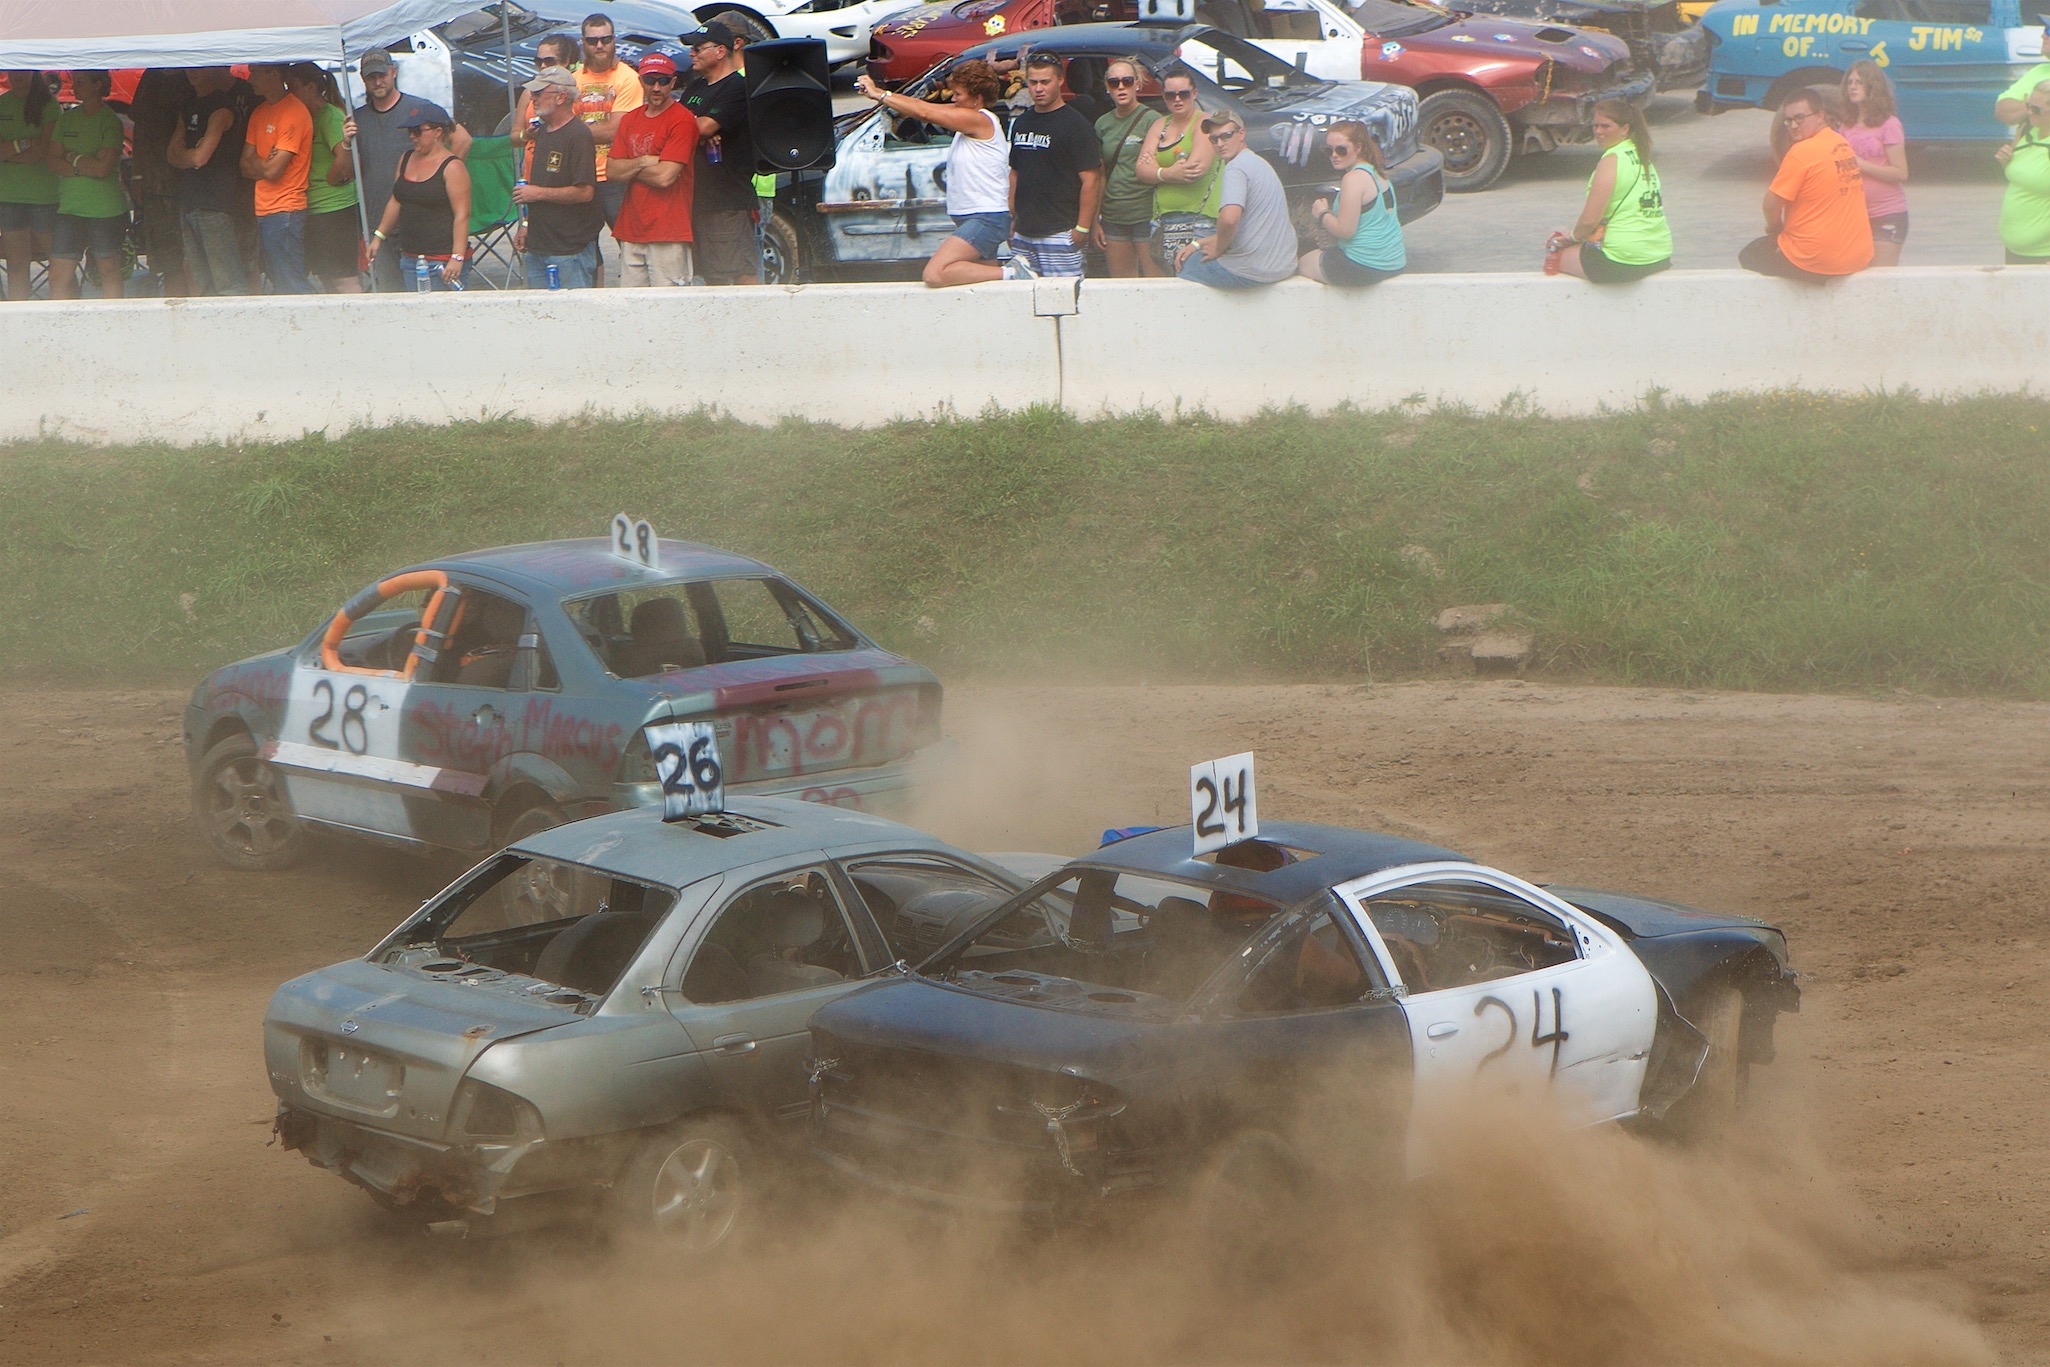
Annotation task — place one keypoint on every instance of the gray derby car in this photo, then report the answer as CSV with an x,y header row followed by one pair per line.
x,y
618,1003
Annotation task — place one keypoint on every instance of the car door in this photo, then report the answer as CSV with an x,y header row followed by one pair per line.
x,y
775,951
885,198
1507,991
1311,34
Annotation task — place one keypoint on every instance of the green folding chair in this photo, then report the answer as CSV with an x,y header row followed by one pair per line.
x,y
494,164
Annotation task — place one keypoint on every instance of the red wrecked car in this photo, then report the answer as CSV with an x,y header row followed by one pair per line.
x,y
1488,86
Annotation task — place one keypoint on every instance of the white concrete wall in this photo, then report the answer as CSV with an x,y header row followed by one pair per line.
x,y
182,371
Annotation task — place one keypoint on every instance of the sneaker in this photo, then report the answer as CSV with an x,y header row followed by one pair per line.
x,y
1018,268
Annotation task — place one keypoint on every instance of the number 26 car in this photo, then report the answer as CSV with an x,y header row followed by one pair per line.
x,y
472,701
1146,1021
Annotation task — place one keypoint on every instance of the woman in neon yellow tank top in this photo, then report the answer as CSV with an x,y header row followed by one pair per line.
x,y
1622,234
1181,166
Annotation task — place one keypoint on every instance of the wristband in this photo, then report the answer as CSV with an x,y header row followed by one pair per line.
x,y
377,233
1082,228
454,258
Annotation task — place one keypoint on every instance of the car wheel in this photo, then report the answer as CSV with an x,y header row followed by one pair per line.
x,y
1472,133
1244,1207
746,25
782,256
1710,1106
688,1190
239,802
540,892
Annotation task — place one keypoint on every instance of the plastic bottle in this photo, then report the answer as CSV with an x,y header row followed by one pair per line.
x,y
421,281
554,276
712,150
1555,245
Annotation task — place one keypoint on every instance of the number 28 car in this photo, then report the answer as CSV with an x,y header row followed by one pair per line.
x,y
468,702
1144,1021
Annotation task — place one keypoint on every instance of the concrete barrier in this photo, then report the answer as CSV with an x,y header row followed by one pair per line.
x,y
183,371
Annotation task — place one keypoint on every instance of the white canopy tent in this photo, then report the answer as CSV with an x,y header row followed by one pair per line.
x,y
74,34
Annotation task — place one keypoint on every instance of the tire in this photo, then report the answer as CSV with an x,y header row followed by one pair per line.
x,y
1710,1106
541,816
689,1191
741,22
1472,132
782,253
239,803
535,894
1245,1205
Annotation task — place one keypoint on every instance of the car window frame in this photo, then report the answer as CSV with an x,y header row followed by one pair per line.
x,y
1216,997
719,902
843,867
1354,894
710,618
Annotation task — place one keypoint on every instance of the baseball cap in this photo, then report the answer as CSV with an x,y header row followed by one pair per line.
x,y
423,112
377,59
551,78
657,64
714,32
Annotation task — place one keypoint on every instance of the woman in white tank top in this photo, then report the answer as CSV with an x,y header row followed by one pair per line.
x,y
978,170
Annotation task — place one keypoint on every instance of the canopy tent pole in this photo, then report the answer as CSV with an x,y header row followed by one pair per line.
x,y
512,99
356,153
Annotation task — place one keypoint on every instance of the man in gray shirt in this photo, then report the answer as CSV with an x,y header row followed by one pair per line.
x,y
379,133
1254,243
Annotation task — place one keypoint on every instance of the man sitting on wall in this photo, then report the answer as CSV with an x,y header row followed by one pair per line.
x,y
1816,227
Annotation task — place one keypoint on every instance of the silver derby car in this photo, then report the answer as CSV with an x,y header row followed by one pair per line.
x,y
618,1003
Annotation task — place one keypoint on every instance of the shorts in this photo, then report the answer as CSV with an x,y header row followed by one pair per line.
x,y
105,236
1178,230
984,232
611,197
1890,228
28,218
728,251
654,263
332,243
1599,270
1057,255
1340,269
1129,232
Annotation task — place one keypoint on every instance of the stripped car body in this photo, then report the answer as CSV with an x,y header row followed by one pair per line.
x,y
1662,39
1120,1028
600,992
461,701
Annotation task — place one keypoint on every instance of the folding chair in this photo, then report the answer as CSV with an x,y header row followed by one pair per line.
x,y
493,164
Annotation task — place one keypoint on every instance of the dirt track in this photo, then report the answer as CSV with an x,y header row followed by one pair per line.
x,y
1897,1211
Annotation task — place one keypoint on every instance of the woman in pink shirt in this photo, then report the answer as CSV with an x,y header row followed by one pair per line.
x,y
1874,133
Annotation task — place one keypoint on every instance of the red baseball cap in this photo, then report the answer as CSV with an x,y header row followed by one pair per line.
x,y
657,64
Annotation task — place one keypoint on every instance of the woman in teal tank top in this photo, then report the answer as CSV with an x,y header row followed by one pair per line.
x,y
1622,234
1366,235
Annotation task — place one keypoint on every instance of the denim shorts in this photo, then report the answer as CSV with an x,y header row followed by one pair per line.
x,y
75,234
1129,232
1340,269
984,232
28,218
1890,228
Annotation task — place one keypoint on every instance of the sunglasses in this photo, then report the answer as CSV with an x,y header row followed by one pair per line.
x,y
1178,94
1344,151
658,79
543,63
1225,135
592,39
1120,82
2038,109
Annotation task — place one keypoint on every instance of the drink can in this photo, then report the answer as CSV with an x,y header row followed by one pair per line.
x,y
554,276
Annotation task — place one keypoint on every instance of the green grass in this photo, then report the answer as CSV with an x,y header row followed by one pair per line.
x,y
1783,542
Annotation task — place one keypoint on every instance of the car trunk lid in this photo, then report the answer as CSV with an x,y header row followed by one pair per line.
x,y
389,1045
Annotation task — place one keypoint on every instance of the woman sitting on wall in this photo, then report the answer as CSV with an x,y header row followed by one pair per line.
x,y
1366,236
1622,234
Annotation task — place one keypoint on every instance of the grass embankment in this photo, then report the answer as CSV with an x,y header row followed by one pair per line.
x,y
1790,542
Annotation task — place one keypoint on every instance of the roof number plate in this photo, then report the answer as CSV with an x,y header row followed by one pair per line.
x,y
633,539
686,755
1221,802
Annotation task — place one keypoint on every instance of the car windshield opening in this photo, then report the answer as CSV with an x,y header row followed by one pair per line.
x,y
1252,75
636,633
1395,19
558,923
1100,940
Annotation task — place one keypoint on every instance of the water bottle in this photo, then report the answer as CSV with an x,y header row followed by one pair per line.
x,y
554,276
421,282
1554,245
712,150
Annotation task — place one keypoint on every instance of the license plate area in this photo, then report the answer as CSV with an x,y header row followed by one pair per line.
x,y
351,1076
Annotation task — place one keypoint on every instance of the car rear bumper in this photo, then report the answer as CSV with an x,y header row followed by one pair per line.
x,y
881,790
399,1169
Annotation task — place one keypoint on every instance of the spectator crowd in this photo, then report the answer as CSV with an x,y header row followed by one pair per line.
x,y
272,182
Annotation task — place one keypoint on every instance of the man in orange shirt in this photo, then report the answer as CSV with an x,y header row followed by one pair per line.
x,y
1816,227
277,155
607,90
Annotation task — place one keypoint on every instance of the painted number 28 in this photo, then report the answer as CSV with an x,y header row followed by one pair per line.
x,y
633,540
352,732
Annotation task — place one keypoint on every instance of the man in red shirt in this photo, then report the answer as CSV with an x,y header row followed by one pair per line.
x,y
651,153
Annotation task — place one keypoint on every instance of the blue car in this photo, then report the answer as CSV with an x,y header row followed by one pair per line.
x,y
472,701
1948,59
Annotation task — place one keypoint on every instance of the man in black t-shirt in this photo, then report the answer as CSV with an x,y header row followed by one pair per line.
x,y
723,206
214,205
1056,177
563,217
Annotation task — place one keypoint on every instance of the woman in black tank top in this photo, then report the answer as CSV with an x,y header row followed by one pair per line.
x,y
428,218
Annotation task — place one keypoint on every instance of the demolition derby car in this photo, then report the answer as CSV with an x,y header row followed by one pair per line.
x,y
470,701
616,1004
1148,1021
